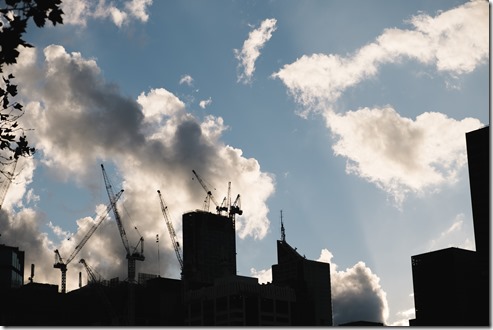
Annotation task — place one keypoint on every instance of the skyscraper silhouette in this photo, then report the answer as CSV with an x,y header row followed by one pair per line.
x,y
451,286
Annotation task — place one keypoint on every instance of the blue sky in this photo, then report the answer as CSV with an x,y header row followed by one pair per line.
x,y
349,116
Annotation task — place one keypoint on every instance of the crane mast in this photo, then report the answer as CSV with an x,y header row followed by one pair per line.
x,y
235,209
62,265
171,230
111,196
131,256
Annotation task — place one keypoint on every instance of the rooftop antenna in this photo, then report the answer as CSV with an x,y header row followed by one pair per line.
x,y
283,234
31,278
158,261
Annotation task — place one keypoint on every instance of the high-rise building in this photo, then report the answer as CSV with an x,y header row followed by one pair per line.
x,y
451,286
447,288
310,281
11,267
478,158
209,248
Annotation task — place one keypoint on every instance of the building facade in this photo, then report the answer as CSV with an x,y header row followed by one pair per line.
x,y
11,267
310,281
239,301
209,248
452,286
447,288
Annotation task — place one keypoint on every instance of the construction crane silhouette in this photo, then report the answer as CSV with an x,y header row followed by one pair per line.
x,y
62,265
96,280
9,176
235,209
131,256
171,230
91,273
209,196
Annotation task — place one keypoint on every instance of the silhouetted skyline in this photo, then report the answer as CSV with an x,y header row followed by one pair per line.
x,y
348,116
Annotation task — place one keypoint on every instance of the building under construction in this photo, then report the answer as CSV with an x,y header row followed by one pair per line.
x,y
209,293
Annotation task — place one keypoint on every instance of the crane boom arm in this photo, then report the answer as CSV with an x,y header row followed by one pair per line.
x,y
111,196
171,230
90,272
206,188
93,228
58,258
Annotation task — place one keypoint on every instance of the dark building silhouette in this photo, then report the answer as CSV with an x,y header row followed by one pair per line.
x,y
447,287
311,283
11,267
299,294
239,301
209,248
209,293
33,304
452,286
478,156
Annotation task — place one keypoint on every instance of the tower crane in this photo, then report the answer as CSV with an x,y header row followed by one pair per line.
x,y
9,176
91,273
92,278
62,265
132,256
226,203
209,196
171,230
235,208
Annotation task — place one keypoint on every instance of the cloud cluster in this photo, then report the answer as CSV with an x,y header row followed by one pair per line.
x,y
455,41
77,12
398,154
205,103
186,79
251,49
151,143
356,293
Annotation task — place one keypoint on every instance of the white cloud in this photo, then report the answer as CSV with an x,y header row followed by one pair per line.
x,y
159,104
453,236
456,41
205,103
356,293
78,12
186,79
58,231
264,275
80,121
138,8
399,154
404,317
251,49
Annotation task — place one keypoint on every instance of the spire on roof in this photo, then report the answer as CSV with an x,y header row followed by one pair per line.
x,y
283,233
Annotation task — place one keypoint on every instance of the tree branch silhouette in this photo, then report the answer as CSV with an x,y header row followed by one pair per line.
x,y
14,17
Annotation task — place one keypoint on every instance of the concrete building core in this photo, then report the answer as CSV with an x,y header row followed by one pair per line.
x,y
209,248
